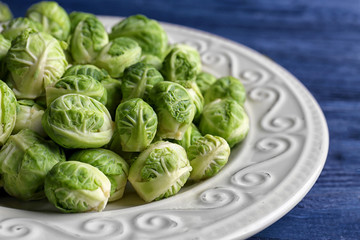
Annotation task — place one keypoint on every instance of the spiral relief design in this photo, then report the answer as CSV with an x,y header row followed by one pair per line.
x,y
200,45
271,121
280,124
261,94
273,144
211,205
157,222
25,228
215,58
15,228
251,179
103,227
218,197
251,77
222,61
271,147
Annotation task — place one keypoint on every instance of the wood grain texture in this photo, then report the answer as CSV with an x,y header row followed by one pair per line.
x,y
318,42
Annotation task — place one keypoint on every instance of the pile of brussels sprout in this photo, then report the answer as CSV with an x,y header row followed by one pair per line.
x,y
83,112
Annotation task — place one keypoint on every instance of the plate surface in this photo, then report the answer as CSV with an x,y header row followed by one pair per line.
x,y
267,174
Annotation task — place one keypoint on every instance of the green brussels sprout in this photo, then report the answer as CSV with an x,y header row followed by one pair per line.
x,y
204,80
25,160
74,186
35,61
111,164
195,95
136,124
29,116
226,87
4,46
117,55
112,86
81,84
225,118
76,17
114,96
138,80
207,156
160,171
174,107
87,69
16,26
7,112
53,17
191,135
88,38
5,12
151,60
148,33
78,121
182,63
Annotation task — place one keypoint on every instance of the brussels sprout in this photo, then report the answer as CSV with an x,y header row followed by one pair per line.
x,y
112,86
195,95
226,87
4,46
114,96
225,118
25,160
89,70
29,116
74,186
76,17
151,60
53,17
146,32
182,63
7,112
35,61
117,55
81,84
138,80
136,124
88,38
207,156
191,135
78,121
5,13
174,107
111,164
160,171
16,26
204,80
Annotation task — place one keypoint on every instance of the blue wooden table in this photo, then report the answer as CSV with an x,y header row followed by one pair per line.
x,y
319,42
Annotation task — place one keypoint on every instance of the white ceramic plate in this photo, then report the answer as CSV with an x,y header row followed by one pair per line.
x,y
267,175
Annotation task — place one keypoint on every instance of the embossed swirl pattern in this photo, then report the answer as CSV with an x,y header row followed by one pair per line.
x,y
271,121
